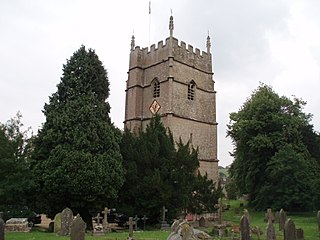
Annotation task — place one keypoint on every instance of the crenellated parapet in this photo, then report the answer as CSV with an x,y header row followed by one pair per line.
x,y
183,53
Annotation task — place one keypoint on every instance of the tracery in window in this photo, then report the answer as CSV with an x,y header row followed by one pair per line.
x,y
191,90
156,88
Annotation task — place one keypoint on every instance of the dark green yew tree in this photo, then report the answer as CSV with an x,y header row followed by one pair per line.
x,y
76,160
158,174
273,162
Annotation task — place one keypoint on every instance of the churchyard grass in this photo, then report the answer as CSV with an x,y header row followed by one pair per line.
x,y
38,235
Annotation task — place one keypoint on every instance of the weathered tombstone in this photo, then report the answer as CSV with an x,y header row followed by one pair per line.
x,y
318,218
106,227
17,225
282,219
220,207
244,228
98,228
246,212
164,224
202,222
57,223
66,221
290,232
1,228
144,219
300,234
270,215
136,219
130,228
270,231
78,229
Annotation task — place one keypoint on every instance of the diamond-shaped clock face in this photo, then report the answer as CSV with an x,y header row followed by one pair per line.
x,y
154,107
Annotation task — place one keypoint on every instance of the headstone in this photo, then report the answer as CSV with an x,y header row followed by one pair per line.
x,y
300,234
202,222
290,230
164,224
244,228
270,231
276,217
181,230
1,228
246,212
282,219
144,219
220,207
66,221
270,215
98,229
318,218
57,223
78,229
130,228
136,219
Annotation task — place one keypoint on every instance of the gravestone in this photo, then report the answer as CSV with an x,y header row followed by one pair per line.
x,y
181,230
270,231
66,221
282,219
130,228
17,225
78,229
246,212
105,224
202,222
164,224
300,234
220,207
144,219
244,228
270,215
57,223
136,219
98,229
318,218
290,232
1,228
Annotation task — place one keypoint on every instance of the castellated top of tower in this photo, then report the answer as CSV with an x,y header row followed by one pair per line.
x,y
186,54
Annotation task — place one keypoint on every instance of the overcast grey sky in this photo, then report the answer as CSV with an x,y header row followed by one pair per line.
x,y
276,42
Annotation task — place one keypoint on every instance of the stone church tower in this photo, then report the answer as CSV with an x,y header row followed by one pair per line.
x,y
175,81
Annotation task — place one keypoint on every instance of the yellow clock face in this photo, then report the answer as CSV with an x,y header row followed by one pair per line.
x,y
154,107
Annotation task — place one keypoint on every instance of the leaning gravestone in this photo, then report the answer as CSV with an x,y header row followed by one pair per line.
x,y
282,219
130,228
244,228
290,230
78,229
246,212
1,229
57,223
66,221
270,231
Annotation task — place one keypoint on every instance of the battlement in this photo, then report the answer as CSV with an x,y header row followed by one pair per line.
x,y
144,57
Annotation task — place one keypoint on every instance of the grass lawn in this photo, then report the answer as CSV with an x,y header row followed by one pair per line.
x,y
38,235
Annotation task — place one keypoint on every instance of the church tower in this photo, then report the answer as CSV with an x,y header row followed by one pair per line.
x,y
176,82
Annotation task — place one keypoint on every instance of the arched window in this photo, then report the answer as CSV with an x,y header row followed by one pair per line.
x,y
191,90
156,88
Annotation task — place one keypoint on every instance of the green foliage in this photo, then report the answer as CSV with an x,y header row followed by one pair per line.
x,y
272,161
159,175
15,180
76,159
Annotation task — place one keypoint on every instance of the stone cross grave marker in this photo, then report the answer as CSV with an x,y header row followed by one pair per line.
x,y
282,219
144,219
220,207
290,232
318,218
164,210
66,221
98,228
270,231
57,223
136,219
1,228
244,228
78,229
130,228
